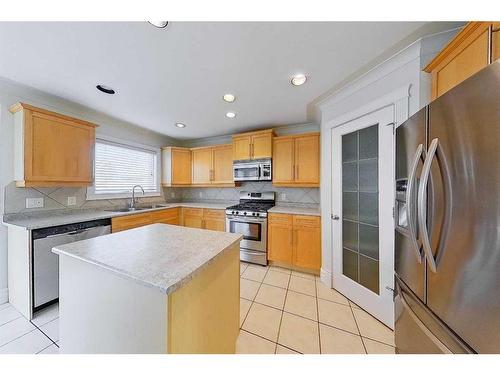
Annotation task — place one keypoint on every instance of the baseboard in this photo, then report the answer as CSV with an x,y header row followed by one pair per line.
x,y
326,277
4,295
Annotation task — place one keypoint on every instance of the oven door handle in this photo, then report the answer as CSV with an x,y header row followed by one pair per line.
x,y
247,219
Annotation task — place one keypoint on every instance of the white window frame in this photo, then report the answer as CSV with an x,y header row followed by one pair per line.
x,y
92,195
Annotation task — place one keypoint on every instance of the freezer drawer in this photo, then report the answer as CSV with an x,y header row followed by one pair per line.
x,y
418,331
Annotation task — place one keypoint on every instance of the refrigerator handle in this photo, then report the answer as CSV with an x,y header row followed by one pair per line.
x,y
422,204
409,201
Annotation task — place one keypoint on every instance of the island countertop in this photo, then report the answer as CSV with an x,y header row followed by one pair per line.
x,y
158,255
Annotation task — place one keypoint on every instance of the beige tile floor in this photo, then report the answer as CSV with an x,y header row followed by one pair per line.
x,y
289,312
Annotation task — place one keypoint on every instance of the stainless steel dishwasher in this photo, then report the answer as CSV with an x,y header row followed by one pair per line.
x,y
46,263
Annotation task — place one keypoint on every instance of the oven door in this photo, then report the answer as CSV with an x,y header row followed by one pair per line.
x,y
246,172
254,231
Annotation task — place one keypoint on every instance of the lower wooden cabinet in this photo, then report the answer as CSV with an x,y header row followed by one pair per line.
x,y
295,240
204,218
201,218
167,216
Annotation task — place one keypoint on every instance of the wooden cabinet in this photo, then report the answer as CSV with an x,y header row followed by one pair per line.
x,y
167,216
176,166
202,165
253,145
471,50
280,238
307,242
296,160
51,149
192,217
214,220
222,165
204,218
495,41
295,240
212,166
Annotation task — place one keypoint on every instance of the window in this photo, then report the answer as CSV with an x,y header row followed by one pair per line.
x,y
118,166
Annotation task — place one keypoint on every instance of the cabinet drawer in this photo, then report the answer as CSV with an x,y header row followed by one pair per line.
x,y
131,221
214,214
197,212
306,220
280,219
164,215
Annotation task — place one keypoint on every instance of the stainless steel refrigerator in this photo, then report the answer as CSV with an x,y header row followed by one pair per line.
x,y
447,215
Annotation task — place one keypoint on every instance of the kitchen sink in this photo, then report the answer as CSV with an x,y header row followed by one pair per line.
x,y
141,208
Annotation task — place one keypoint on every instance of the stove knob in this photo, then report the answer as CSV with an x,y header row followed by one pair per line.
x,y
237,212
244,213
257,214
254,214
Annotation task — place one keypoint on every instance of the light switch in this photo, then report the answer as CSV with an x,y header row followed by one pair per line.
x,y
71,201
34,202
283,196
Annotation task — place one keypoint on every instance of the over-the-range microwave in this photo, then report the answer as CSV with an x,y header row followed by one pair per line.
x,y
252,170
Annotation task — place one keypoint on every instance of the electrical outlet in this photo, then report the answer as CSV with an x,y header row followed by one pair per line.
x,y
172,194
34,202
283,196
200,194
71,201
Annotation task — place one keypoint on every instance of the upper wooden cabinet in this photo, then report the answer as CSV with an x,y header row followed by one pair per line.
x,y
176,166
471,50
212,166
296,160
51,149
253,145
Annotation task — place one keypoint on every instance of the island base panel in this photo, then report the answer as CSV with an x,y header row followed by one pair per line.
x,y
204,313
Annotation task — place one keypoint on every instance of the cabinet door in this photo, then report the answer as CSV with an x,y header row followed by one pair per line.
x,y
241,147
307,242
202,165
307,159
495,42
262,146
130,221
472,58
192,217
283,160
57,150
222,164
280,238
181,166
215,224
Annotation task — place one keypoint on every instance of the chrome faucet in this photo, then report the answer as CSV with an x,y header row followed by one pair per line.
x,y
134,199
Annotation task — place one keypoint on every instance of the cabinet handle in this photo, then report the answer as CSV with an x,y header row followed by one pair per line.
x,y
251,150
293,172
296,172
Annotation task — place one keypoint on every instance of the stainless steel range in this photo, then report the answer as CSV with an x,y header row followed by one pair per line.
x,y
249,218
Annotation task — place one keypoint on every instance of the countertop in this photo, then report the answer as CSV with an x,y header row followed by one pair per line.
x,y
311,211
157,255
44,219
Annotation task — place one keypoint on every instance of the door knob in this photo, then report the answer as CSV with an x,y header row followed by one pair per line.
x,y
335,217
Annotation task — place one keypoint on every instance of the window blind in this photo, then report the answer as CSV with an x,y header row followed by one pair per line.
x,y
119,167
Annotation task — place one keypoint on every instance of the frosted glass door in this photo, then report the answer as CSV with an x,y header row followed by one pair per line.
x,y
360,242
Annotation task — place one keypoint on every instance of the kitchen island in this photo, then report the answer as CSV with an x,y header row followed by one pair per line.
x,y
154,289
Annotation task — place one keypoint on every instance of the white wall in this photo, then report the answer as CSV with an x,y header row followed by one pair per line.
x,y
401,71
11,93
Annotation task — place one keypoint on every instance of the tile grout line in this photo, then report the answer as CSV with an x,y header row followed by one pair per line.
x,y
282,312
10,321
252,302
359,331
24,334
317,314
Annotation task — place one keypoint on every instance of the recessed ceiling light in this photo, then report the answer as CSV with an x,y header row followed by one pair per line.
x,y
229,98
180,125
159,24
105,89
230,115
298,79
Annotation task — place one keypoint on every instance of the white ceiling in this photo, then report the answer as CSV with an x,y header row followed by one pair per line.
x,y
179,74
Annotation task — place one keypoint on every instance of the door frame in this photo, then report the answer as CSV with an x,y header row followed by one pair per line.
x,y
399,101
380,305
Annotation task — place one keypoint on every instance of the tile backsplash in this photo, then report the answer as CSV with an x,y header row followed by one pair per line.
x,y
300,196
57,198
